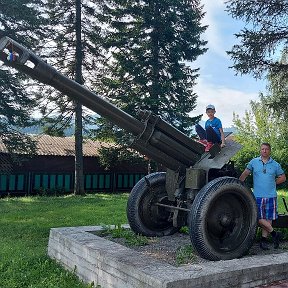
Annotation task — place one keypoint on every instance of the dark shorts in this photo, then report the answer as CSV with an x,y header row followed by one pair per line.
x,y
267,208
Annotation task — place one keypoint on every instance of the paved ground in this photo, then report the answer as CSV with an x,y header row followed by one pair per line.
x,y
278,284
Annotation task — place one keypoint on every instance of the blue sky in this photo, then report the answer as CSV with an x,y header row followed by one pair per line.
x,y
218,83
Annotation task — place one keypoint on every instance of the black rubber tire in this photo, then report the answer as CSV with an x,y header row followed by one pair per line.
x,y
143,215
223,219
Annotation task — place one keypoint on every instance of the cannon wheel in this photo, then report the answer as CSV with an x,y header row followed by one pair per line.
x,y
143,215
223,219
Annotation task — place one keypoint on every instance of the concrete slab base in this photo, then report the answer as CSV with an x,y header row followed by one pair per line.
x,y
108,264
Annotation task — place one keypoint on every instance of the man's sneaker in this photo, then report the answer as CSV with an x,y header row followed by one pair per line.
x,y
208,146
276,239
264,245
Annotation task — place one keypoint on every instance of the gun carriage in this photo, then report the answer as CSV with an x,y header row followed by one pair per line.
x,y
198,189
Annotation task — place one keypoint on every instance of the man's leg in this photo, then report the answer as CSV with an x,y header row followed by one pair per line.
x,y
268,208
262,204
266,229
266,226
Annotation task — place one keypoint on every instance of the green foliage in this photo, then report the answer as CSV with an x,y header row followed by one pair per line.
x,y
24,233
278,90
260,125
110,157
15,109
263,37
16,19
266,122
73,53
185,255
136,240
282,194
117,231
23,21
144,52
50,191
184,230
55,126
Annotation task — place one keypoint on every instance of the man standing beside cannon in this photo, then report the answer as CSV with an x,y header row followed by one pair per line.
x,y
267,173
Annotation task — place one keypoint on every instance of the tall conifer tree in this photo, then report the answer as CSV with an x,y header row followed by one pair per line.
x,y
263,47
263,37
72,53
147,45
278,90
22,21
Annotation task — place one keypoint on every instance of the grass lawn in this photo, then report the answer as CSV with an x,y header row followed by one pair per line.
x,y
24,231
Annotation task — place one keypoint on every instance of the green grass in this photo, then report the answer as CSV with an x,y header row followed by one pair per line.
x,y
281,209
24,231
185,255
127,234
282,194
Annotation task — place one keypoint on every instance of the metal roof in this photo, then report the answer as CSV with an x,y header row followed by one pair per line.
x,y
61,146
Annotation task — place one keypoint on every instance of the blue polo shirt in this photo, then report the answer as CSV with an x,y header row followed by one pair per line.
x,y
264,177
216,124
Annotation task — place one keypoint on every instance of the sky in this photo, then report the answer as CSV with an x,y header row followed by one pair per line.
x,y
217,83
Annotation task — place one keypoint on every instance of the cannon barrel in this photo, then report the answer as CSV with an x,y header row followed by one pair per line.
x,y
153,136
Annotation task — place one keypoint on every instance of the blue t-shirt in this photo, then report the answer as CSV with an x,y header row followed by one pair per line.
x,y
215,124
264,177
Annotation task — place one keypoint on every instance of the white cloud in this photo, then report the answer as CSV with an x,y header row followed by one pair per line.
x,y
226,101
213,33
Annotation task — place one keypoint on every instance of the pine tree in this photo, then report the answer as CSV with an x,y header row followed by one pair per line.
x,y
146,46
72,53
15,105
22,21
278,90
263,37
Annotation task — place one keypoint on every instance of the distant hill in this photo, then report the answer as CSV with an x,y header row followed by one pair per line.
x,y
31,130
230,129
35,130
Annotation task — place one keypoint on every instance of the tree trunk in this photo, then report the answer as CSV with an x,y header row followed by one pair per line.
x,y
79,181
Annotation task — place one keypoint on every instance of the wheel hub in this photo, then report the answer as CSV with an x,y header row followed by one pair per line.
x,y
225,220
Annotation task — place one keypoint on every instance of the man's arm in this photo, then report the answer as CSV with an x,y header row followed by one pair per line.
x,y
280,179
245,174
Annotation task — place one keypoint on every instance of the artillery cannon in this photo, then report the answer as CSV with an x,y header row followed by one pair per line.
x,y
199,189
